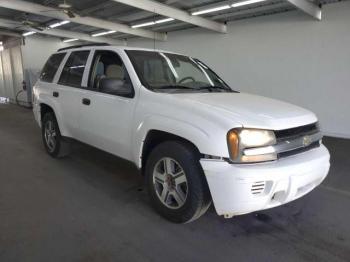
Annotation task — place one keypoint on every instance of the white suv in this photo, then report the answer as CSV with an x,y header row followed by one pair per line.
x,y
194,139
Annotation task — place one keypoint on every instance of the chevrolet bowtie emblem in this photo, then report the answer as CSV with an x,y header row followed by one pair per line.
x,y
306,141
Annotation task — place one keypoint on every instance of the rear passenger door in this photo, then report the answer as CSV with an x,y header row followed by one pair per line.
x,y
45,86
69,90
105,118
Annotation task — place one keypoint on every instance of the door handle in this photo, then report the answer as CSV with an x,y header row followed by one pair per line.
x,y
86,101
55,94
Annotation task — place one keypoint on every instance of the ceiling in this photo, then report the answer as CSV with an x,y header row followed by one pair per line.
x,y
125,14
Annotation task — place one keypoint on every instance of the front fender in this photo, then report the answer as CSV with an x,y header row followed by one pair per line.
x,y
201,137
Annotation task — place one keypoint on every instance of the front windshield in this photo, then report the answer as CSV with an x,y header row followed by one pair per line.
x,y
161,71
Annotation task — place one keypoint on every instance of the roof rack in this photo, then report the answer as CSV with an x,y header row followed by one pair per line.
x,y
78,46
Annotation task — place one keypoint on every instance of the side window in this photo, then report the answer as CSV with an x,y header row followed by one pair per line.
x,y
109,75
73,70
49,70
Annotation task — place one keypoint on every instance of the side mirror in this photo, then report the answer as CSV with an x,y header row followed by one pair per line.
x,y
115,86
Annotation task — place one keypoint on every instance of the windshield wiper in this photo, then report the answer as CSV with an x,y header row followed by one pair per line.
x,y
174,87
210,88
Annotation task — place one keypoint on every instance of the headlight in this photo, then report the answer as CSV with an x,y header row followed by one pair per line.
x,y
251,145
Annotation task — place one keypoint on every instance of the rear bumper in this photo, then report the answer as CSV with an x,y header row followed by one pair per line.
x,y
240,189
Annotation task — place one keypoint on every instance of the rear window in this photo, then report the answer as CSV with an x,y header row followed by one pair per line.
x,y
51,66
73,70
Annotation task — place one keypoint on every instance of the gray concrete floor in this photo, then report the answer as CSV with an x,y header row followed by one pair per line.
x,y
91,207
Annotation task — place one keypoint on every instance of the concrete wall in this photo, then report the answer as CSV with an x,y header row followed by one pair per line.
x,y
287,56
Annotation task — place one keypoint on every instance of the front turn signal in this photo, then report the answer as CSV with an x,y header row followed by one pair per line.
x,y
233,144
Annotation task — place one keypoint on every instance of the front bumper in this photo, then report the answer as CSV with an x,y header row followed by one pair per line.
x,y
243,188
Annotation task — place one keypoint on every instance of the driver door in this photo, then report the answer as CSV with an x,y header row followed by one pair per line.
x,y
105,118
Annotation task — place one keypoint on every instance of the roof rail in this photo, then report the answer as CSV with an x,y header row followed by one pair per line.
x,y
78,46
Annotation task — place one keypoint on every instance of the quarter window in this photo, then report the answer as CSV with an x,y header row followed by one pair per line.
x,y
51,66
73,70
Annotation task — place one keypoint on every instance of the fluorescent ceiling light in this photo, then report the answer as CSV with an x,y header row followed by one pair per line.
x,y
103,33
142,25
29,33
209,10
154,22
246,3
70,40
59,24
164,20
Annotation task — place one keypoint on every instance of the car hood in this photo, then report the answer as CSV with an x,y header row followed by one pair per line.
x,y
252,110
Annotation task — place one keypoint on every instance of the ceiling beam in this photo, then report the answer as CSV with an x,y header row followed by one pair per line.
x,y
9,23
95,8
9,33
63,33
168,11
139,15
37,9
81,36
308,7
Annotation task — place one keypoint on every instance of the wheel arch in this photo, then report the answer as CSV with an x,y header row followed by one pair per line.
x,y
199,134
47,107
155,137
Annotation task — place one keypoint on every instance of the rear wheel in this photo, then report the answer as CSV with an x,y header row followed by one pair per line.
x,y
55,144
176,182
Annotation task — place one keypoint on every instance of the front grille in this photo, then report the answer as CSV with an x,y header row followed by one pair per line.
x,y
291,141
299,150
296,131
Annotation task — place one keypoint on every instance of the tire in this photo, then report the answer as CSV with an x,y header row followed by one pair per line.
x,y
194,199
59,146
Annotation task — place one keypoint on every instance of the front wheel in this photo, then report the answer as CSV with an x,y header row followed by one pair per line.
x,y
176,182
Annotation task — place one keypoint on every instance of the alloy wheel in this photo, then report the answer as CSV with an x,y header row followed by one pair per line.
x,y
50,135
170,183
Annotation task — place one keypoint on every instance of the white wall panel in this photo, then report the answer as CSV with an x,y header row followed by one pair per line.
x,y
17,73
37,50
2,86
35,53
7,73
286,56
11,72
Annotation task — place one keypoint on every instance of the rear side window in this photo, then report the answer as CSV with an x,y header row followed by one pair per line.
x,y
73,70
51,66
